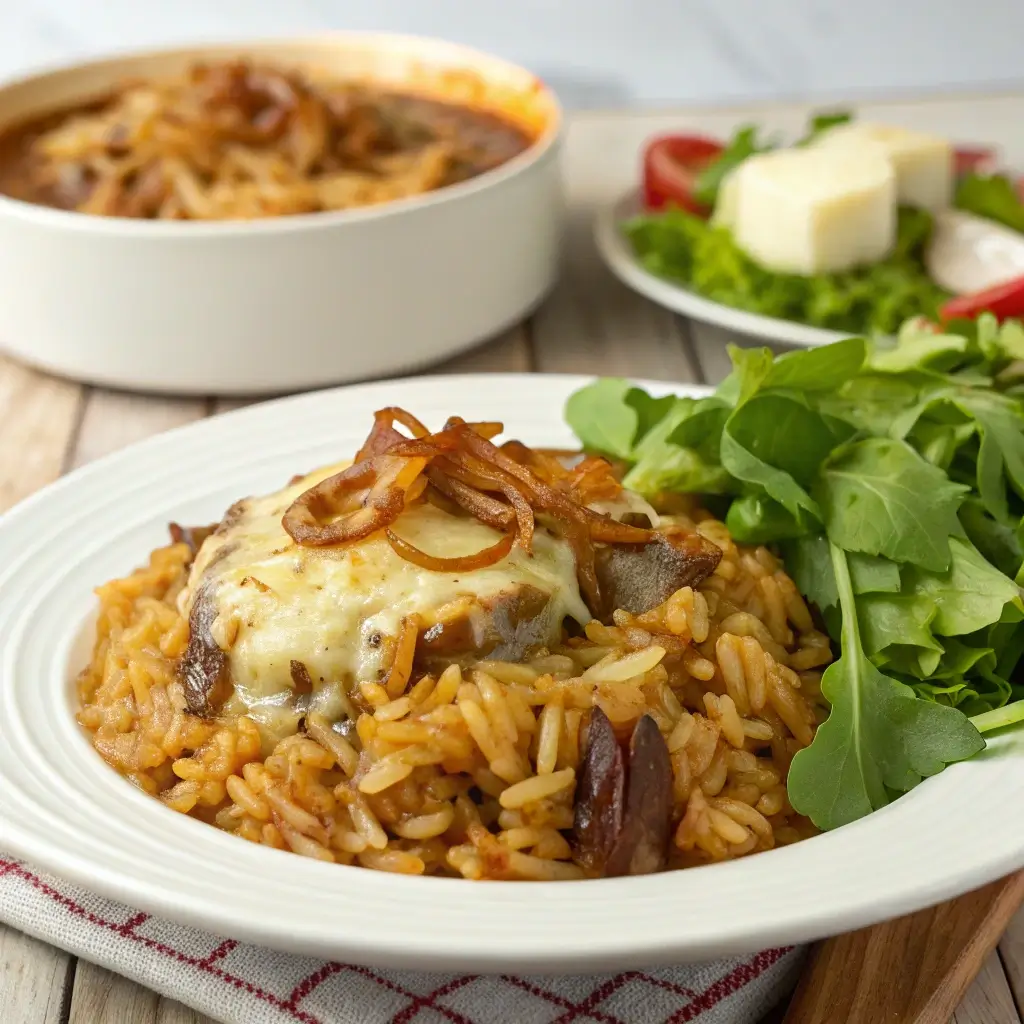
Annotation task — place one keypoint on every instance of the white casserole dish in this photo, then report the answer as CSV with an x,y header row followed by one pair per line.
x,y
244,307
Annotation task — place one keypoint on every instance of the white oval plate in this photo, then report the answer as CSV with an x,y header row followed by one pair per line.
x,y
618,254
64,810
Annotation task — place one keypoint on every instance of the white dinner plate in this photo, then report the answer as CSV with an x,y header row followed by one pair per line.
x,y
618,254
64,810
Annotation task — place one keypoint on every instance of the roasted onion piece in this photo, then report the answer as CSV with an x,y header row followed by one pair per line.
x,y
354,503
460,563
504,487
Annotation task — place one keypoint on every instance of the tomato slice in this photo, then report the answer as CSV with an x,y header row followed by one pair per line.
x,y
974,159
671,166
1004,301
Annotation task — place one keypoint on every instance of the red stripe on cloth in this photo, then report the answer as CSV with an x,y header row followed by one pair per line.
x,y
560,1001
68,904
736,979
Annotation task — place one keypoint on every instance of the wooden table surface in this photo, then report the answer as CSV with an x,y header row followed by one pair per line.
x,y
590,324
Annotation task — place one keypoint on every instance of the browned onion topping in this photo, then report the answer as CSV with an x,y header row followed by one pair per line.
x,y
460,563
458,468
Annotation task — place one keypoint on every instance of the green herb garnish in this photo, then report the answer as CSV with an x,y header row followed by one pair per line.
x,y
891,481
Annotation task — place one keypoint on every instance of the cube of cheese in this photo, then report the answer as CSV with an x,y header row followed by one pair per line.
x,y
923,163
811,211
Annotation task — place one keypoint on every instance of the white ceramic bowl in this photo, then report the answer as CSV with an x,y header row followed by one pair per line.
x,y
239,307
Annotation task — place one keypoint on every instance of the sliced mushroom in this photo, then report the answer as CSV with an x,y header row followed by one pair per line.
x,y
638,577
600,796
193,536
623,812
643,843
302,682
204,667
505,627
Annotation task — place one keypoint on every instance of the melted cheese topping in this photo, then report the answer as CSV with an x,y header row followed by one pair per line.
x,y
337,609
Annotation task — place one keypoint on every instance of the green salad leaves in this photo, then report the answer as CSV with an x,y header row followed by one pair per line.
x,y
891,482
993,196
875,299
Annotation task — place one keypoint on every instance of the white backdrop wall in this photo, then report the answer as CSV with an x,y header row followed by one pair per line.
x,y
599,53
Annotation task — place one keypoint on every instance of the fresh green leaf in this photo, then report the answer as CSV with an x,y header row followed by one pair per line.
x,y
750,367
991,196
746,466
743,144
998,543
680,452
817,369
782,431
880,497
879,737
969,595
808,561
919,350
602,418
872,401
756,519
872,575
890,620
868,300
677,469
821,123
611,415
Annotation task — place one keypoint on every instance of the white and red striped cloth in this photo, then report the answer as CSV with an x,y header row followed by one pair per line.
x,y
241,984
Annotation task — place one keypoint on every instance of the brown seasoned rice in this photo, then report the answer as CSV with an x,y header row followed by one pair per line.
x,y
472,772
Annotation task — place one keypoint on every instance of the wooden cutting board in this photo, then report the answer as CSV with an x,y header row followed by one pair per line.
x,y
913,970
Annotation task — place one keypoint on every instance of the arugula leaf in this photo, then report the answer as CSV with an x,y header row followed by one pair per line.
x,y
610,415
879,737
743,144
919,350
808,561
677,469
746,466
680,452
870,494
817,369
872,575
757,519
601,417
991,196
998,543
750,367
780,429
969,595
895,620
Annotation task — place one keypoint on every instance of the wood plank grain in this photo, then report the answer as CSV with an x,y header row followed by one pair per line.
x,y
33,979
508,353
101,997
40,415
169,1011
114,419
1011,950
915,969
989,999
593,324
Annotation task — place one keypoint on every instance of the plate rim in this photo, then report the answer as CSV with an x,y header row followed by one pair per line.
x,y
672,295
610,947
